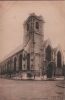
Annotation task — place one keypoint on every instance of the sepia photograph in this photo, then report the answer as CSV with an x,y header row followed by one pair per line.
x,y
32,50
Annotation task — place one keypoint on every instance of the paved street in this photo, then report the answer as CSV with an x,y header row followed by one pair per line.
x,y
27,90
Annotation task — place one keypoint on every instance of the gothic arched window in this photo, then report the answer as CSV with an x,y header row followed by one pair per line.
x,y
15,63
20,62
48,53
59,59
28,61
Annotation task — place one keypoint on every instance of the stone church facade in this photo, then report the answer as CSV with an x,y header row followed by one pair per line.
x,y
37,57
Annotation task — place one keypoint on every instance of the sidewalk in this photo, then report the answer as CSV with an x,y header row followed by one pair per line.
x,y
38,78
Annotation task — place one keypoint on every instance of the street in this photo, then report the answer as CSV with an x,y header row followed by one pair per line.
x,y
29,90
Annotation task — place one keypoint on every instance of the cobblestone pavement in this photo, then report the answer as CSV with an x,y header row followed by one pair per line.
x,y
30,90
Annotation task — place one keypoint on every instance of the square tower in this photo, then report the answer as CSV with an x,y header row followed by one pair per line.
x,y
33,40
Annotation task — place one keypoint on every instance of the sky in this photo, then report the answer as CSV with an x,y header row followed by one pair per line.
x,y
14,13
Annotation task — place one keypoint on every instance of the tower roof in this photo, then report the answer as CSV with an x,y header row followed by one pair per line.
x,y
40,18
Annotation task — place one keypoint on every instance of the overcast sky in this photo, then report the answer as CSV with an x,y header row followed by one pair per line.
x,y
14,13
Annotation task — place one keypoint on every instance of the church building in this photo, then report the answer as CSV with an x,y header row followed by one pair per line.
x,y
37,57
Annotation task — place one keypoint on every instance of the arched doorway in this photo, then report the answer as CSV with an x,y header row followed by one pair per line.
x,y
20,62
15,64
51,68
48,53
59,59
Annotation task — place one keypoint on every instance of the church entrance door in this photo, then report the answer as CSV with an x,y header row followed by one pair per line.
x,y
50,70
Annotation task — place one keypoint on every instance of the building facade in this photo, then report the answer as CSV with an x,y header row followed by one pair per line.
x,y
37,57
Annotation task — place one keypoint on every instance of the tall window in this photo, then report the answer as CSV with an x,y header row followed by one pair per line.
x,y
7,66
59,59
15,63
20,62
28,61
48,53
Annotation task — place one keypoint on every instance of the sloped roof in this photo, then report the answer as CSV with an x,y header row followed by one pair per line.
x,y
15,51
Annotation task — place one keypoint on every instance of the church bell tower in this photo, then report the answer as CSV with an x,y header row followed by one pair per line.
x,y
33,40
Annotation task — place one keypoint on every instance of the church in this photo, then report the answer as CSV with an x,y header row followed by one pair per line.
x,y
37,57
